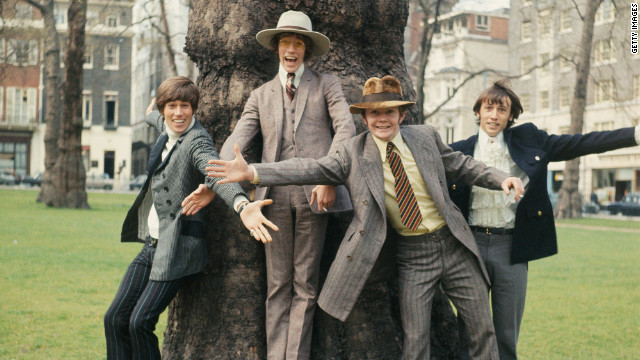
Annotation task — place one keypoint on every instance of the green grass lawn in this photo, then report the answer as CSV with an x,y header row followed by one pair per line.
x,y
60,268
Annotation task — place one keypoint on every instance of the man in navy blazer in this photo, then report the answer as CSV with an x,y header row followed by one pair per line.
x,y
510,235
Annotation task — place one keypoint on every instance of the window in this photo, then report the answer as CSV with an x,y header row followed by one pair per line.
x,y
525,64
450,133
87,108
563,97
21,105
482,23
110,111
88,57
451,86
544,100
525,101
111,54
544,22
525,31
563,130
92,18
112,21
636,86
60,15
603,126
604,51
23,11
544,62
566,21
606,12
566,59
603,91
23,52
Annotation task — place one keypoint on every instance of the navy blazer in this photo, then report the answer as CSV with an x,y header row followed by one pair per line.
x,y
532,149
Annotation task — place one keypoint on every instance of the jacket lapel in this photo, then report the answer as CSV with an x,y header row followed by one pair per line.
x,y
302,93
156,153
426,164
277,111
371,166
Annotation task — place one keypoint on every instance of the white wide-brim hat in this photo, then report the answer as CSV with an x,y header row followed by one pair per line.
x,y
299,23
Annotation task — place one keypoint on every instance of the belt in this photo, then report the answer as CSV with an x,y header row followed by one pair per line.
x,y
152,241
492,231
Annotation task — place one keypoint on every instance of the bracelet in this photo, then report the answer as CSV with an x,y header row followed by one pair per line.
x,y
242,206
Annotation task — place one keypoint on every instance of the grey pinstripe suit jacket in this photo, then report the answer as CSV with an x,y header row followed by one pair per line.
x,y
320,107
182,248
357,164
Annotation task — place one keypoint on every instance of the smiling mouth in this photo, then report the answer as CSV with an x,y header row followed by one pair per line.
x,y
290,59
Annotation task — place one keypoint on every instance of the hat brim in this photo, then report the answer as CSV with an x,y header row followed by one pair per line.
x,y
321,43
358,108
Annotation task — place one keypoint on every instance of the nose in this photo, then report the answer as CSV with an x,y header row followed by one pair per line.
x,y
178,110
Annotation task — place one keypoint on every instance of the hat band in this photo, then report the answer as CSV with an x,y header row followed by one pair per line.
x,y
381,97
293,27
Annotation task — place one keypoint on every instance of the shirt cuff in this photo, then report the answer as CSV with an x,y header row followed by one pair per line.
x,y
637,134
239,200
256,178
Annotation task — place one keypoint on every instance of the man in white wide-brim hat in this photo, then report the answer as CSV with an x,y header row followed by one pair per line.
x,y
295,113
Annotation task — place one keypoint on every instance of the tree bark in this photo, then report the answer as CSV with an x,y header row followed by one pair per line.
x,y
69,173
220,314
52,109
569,198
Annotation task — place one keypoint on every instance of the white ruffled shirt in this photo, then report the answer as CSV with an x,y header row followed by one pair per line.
x,y
494,208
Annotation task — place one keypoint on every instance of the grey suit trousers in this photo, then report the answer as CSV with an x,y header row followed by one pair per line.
x,y
293,264
425,260
508,290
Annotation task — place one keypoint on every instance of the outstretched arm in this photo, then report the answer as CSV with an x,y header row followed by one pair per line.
x,y
231,171
197,200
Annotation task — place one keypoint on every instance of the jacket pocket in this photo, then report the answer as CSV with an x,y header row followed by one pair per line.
x,y
192,228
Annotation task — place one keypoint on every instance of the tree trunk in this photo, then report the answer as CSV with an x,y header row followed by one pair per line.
x,y
52,90
69,173
569,199
220,314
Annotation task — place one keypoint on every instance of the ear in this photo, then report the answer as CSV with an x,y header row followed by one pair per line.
x,y
364,118
404,113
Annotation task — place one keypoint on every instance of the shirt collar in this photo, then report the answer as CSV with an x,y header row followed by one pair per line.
x,y
399,143
483,138
282,74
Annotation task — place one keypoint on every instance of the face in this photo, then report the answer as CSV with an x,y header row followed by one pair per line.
x,y
178,115
291,52
383,123
495,116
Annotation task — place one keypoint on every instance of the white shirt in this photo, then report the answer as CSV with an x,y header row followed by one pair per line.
x,y
282,74
494,208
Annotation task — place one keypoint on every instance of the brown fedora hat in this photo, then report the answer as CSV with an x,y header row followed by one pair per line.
x,y
380,93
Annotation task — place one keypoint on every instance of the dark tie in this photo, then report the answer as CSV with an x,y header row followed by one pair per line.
x,y
407,203
291,89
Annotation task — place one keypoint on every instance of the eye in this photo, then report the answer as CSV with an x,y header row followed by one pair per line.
x,y
285,42
299,44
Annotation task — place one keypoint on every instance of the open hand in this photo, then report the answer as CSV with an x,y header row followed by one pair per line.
x,y
231,171
255,222
514,183
198,199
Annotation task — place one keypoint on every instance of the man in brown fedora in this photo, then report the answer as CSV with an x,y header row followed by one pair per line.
x,y
398,175
295,113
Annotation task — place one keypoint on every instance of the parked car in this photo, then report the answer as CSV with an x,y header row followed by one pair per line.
x,y
102,181
32,180
628,205
137,182
7,179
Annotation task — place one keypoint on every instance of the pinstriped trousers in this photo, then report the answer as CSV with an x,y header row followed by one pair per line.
x,y
132,317
423,262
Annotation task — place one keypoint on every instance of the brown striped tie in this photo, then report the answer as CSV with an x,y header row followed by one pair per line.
x,y
407,203
291,89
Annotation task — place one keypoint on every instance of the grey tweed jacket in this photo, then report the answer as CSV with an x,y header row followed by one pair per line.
x,y
182,247
357,164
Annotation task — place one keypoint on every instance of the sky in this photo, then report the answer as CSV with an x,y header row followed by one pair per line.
x,y
481,5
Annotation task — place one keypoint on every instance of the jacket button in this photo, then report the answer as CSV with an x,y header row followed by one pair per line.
x,y
537,158
168,202
164,176
365,202
166,189
349,257
453,187
172,216
361,232
539,213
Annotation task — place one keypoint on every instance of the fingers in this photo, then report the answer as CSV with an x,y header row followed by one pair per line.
x,y
270,224
313,197
151,106
236,149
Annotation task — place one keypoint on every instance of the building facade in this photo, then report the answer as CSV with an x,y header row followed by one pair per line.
x,y
106,108
544,46
468,53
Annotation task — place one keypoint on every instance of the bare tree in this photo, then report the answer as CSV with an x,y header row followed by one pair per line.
x,y
68,173
569,200
53,104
